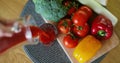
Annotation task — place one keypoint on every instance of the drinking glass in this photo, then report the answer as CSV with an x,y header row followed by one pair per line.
x,y
25,28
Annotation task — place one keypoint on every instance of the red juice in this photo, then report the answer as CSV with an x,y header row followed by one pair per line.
x,y
46,36
46,33
8,42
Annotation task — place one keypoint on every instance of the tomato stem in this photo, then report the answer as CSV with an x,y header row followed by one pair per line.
x,y
65,23
80,27
72,35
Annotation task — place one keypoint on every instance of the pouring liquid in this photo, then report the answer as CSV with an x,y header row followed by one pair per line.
x,y
46,34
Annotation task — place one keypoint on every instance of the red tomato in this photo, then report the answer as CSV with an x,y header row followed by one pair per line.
x,y
87,10
66,2
70,41
64,25
81,31
71,10
79,18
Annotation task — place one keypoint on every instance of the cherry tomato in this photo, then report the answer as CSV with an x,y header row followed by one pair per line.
x,y
71,10
79,18
87,10
66,2
70,41
64,25
81,31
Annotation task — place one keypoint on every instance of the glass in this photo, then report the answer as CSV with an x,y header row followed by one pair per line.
x,y
26,29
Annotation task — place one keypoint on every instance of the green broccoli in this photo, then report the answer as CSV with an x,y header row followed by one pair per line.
x,y
52,10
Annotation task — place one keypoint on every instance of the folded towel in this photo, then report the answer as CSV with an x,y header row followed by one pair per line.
x,y
40,53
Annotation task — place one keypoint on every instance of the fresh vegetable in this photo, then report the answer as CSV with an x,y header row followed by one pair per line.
x,y
66,2
81,16
70,41
81,31
86,48
64,25
54,10
87,10
71,10
102,27
51,10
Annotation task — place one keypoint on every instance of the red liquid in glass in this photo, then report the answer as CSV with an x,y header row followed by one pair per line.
x,y
45,37
47,33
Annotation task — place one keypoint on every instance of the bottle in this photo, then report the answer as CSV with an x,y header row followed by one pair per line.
x,y
26,29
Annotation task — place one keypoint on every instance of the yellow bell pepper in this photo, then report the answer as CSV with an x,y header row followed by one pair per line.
x,y
87,48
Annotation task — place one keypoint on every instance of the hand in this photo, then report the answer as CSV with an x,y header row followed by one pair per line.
x,y
8,27
5,27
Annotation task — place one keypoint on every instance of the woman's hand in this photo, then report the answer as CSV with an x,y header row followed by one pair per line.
x,y
5,27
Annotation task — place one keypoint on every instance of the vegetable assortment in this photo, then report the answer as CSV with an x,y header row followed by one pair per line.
x,y
82,34
100,27
77,26
75,22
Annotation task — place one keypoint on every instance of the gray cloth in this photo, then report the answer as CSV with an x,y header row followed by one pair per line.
x,y
40,53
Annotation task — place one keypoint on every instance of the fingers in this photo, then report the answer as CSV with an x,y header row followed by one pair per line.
x,y
6,22
5,34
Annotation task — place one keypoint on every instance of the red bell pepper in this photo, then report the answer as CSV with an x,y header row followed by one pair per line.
x,y
102,27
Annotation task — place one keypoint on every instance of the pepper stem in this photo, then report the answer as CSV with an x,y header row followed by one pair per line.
x,y
101,33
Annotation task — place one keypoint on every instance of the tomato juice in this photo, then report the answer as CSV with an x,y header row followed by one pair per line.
x,y
46,35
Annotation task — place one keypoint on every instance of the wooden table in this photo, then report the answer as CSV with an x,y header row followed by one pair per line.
x,y
11,9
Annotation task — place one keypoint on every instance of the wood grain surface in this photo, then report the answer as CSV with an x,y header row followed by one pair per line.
x,y
11,9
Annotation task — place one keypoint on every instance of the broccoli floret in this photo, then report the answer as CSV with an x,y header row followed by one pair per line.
x,y
51,10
